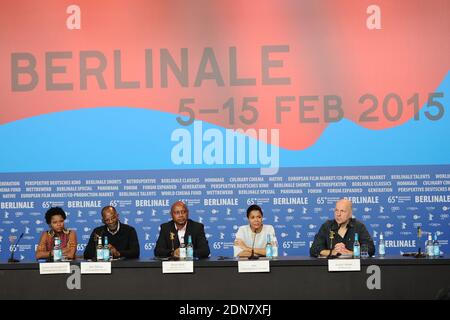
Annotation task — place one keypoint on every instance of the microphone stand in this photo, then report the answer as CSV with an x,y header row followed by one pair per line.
x,y
253,256
11,258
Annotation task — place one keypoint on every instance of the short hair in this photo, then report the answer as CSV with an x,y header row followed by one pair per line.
x,y
176,203
347,201
254,207
54,211
109,208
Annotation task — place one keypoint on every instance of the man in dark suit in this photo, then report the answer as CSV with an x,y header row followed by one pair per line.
x,y
177,231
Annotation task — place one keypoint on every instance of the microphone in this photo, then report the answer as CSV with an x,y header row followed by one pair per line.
x,y
419,251
11,258
172,238
331,243
253,256
333,231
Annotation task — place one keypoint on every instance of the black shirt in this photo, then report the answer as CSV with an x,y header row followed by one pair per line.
x,y
125,241
322,239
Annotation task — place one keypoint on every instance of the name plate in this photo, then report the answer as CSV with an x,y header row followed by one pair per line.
x,y
253,266
95,267
178,266
344,265
54,267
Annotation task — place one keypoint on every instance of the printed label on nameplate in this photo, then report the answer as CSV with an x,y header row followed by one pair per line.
x,y
254,266
178,266
344,265
54,267
95,267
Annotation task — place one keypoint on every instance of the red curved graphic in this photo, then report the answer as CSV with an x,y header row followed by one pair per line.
x,y
323,47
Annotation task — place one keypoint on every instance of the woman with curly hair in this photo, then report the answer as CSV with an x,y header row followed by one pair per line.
x,y
55,219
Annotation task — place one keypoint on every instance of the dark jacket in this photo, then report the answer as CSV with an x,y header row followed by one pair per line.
x,y
165,246
322,239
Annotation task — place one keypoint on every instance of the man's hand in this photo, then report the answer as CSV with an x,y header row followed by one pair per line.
x,y
340,248
114,251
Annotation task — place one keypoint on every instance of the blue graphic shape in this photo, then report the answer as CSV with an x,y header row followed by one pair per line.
x,y
120,138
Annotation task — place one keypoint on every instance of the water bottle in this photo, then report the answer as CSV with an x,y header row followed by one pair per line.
x,y
436,247
190,249
57,250
356,248
429,246
274,246
99,249
381,246
269,252
106,251
182,249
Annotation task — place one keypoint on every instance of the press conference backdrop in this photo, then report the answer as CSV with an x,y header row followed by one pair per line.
x,y
287,104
